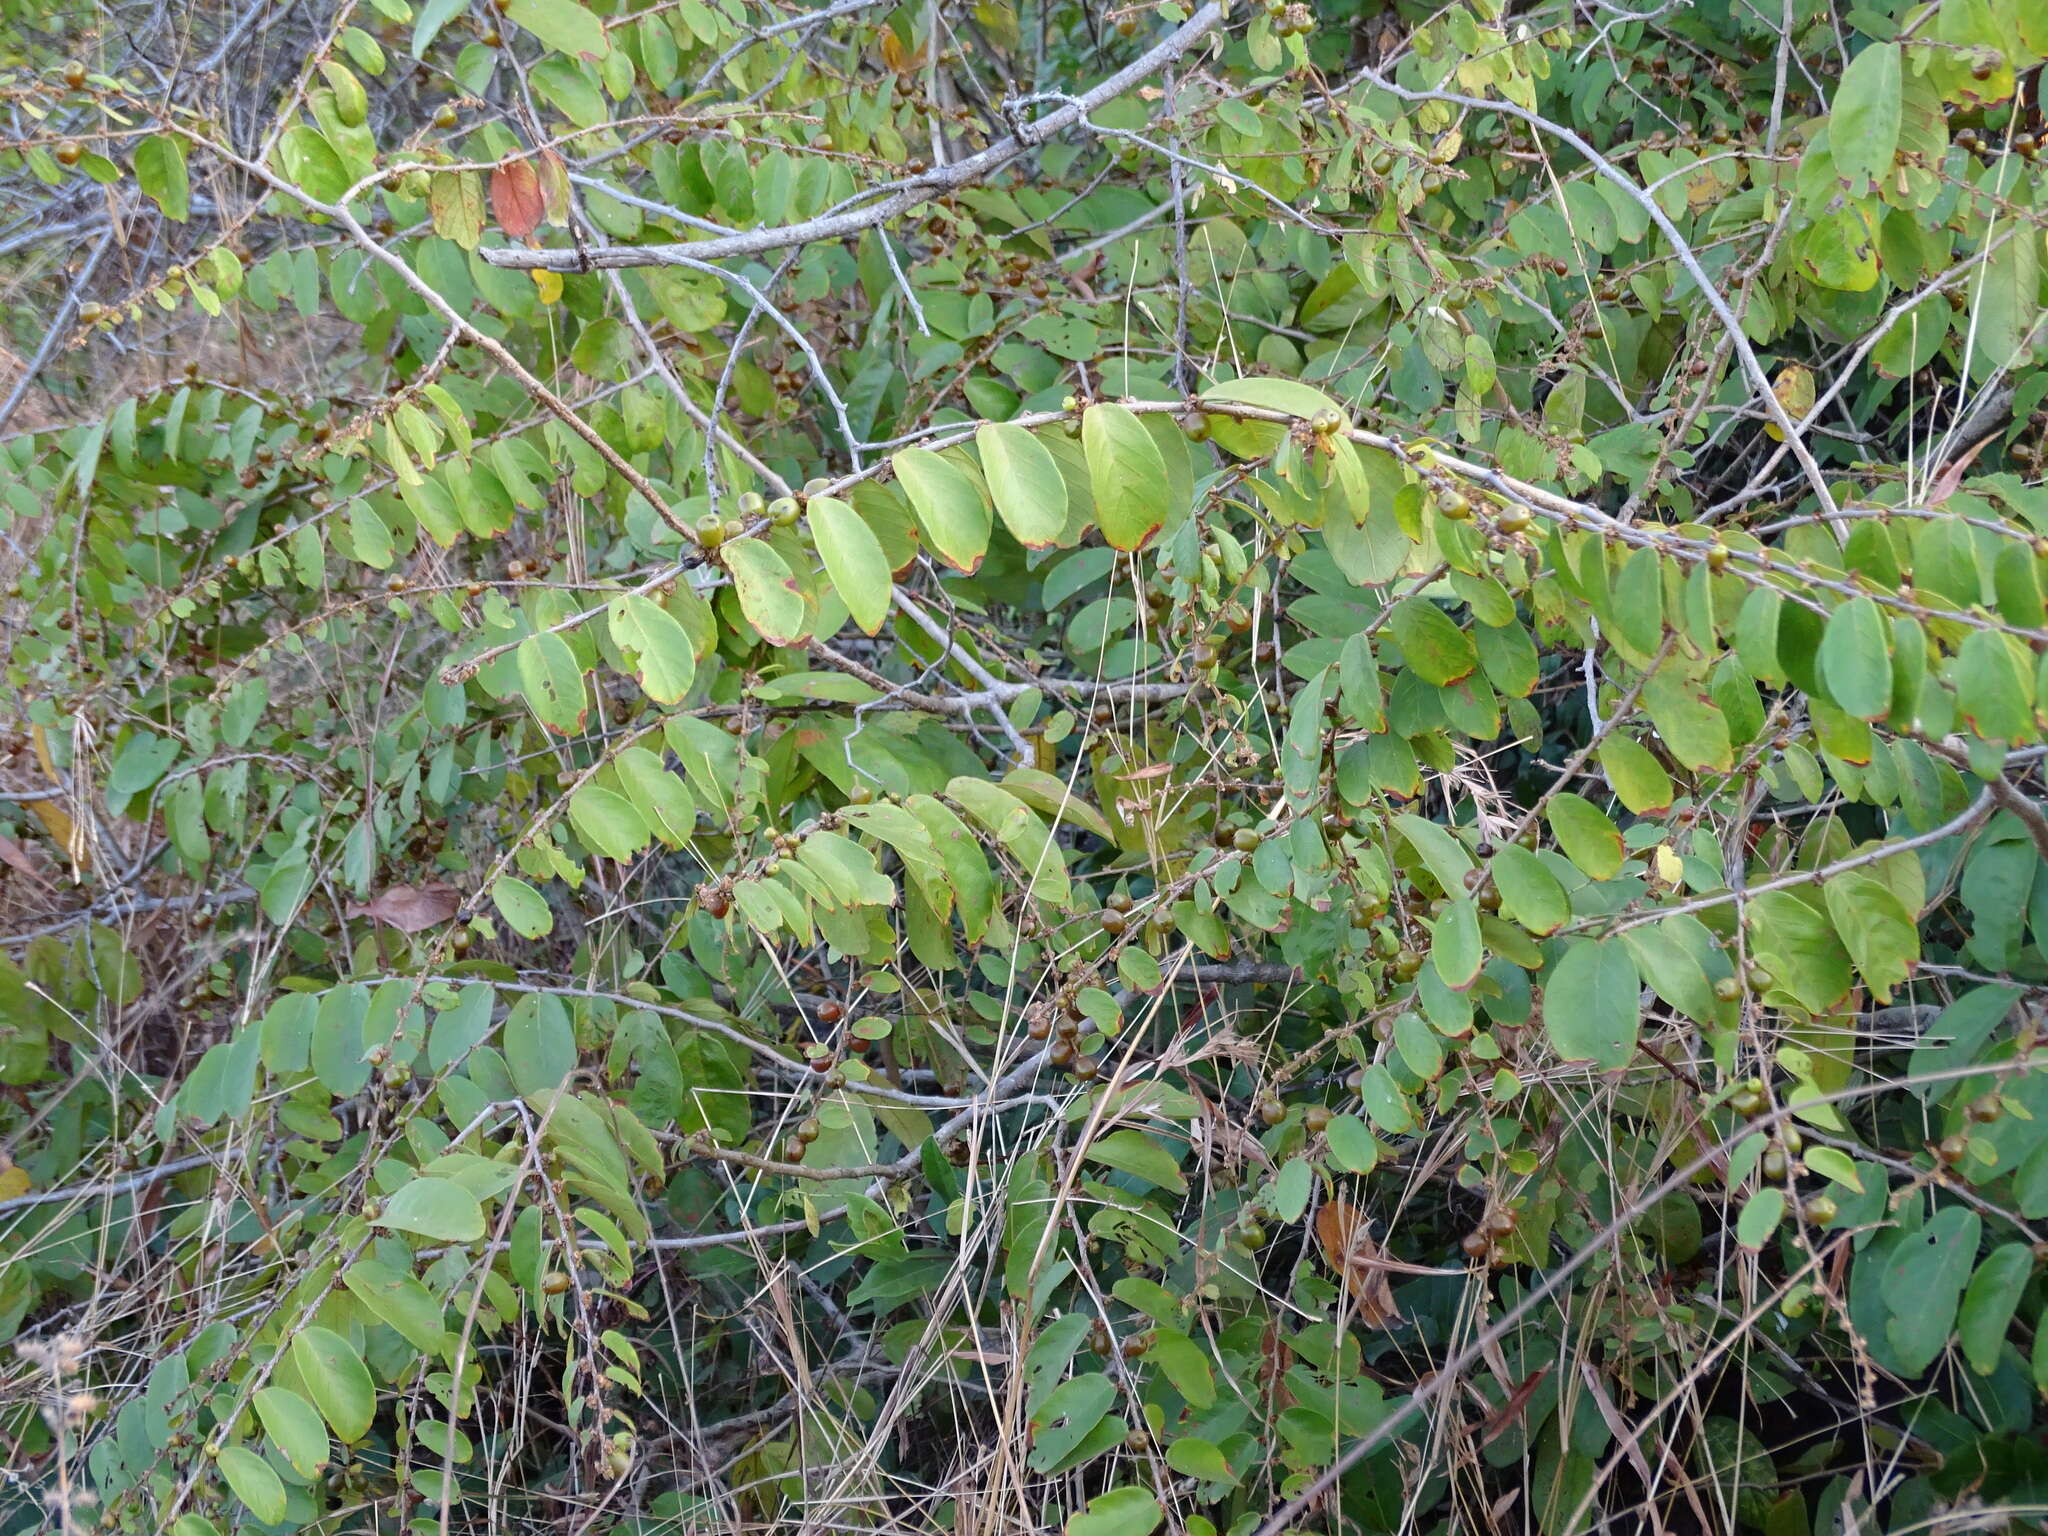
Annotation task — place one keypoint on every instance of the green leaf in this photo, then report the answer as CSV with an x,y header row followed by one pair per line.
x,y
1923,1279
853,559
524,909
1454,948
540,1043
1529,893
1192,1456
1351,1144
949,506
1136,1153
1863,129
439,1209
1990,1302
1994,687
1856,658
160,172
606,821
1585,835
1025,482
1438,650
337,1380
563,25
397,1299
1760,1216
552,683
254,1483
1184,1363
1119,1512
1067,1417
295,1428
655,645
1634,774
1256,439
1127,475
768,591
1592,1004
1882,937
1834,1165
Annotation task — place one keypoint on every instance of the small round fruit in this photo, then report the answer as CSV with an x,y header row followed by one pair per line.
x,y
711,530
1087,1069
1986,1109
783,511
793,1150
1112,921
1246,840
1775,1164
554,1283
1317,1119
1820,1210
68,153
809,1130
829,1012
1251,1235
1272,1111
1952,1149
1060,1052
1728,989
1475,1244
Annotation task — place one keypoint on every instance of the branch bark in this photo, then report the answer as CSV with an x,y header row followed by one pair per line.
x,y
897,198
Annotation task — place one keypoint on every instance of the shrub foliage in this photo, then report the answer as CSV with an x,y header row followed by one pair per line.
x,y
1009,766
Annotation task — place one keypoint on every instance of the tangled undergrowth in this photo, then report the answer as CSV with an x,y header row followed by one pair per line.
x,y
1017,767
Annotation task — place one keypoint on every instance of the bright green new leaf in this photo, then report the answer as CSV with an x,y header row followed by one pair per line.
x,y
1127,475
160,172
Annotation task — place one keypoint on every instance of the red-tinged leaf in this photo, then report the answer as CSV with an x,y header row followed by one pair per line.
x,y
1498,1422
410,908
517,201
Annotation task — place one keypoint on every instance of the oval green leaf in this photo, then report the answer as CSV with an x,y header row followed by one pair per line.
x,y
949,506
1025,482
853,559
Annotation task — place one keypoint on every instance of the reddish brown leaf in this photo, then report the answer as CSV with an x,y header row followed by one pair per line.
x,y
554,185
1347,1243
410,908
517,201
1498,1421
13,855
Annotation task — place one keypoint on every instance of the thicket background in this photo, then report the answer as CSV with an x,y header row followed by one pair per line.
x,y
1022,767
